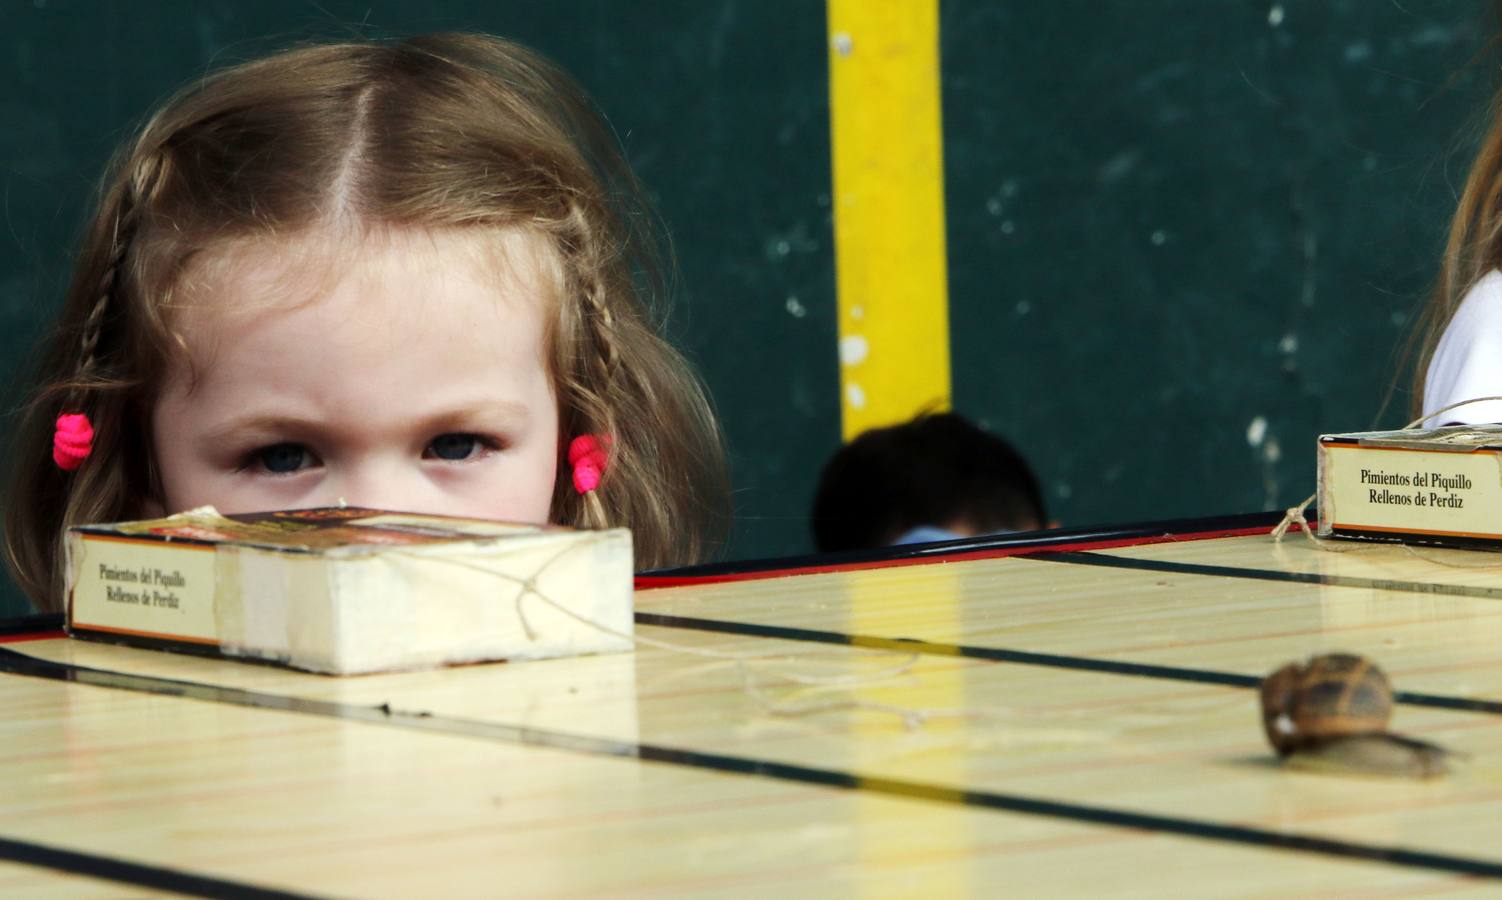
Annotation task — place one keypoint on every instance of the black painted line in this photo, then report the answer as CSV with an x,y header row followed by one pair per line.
x,y
155,877
1094,558
16,663
935,648
20,664
1027,658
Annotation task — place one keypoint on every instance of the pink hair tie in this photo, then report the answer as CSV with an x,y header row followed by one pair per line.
x,y
587,454
72,441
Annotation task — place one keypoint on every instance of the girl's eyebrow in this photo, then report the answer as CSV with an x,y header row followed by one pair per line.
x,y
478,416
242,426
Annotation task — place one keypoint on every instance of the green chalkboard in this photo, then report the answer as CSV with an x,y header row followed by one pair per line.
x,y
1184,235
1188,236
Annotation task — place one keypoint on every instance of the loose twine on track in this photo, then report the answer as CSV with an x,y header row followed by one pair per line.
x,y
755,677
744,662
1294,515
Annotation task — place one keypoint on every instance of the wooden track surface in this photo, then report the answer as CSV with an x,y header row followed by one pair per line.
x,y
1060,723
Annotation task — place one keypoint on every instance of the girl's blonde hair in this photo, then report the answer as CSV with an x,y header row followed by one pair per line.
x,y
1472,249
441,131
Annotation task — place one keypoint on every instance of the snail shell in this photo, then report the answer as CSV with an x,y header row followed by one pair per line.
x,y
1332,696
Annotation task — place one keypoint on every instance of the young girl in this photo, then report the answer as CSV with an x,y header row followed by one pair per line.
x,y
1460,334
402,275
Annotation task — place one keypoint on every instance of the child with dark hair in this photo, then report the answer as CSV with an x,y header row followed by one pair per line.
x,y
937,477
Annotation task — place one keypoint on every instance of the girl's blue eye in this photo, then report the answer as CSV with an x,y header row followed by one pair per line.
x,y
455,447
281,459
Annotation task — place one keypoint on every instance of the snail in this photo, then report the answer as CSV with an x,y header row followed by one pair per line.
x,y
1332,713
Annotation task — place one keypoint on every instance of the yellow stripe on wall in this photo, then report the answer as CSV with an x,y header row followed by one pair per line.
x,y
892,285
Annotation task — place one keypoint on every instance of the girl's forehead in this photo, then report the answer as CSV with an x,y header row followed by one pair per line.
x,y
398,308
251,276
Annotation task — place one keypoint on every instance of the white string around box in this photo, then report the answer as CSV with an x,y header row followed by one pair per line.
x,y
1294,515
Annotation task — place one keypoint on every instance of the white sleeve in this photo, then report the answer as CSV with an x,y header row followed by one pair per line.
x,y
1467,362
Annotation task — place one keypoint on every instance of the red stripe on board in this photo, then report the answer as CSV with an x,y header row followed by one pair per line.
x,y
649,582
33,636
